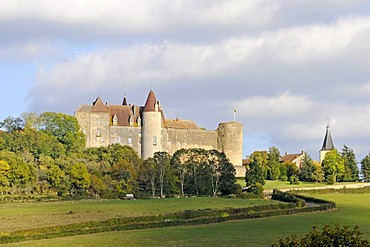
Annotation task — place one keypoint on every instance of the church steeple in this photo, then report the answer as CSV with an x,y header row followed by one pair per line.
x,y
328,141
327,145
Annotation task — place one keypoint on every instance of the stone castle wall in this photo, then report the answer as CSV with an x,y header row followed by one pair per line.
x,y
175,139
130,136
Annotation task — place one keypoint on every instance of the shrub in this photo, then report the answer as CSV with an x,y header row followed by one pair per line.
x,y
293,180
337,236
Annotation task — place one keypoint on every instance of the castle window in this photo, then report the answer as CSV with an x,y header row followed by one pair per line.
x,y
115,120
98,132
154,141
129,140
99,123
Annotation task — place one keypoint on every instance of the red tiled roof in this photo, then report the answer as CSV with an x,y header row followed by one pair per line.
x,y
290,157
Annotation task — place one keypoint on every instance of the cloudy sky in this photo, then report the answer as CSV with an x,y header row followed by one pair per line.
x,y
287,65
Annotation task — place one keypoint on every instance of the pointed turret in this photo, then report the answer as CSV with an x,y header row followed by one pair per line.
x,y
328,142
327,145
124,102
150,103
151,130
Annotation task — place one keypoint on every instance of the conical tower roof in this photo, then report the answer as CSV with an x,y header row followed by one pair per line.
x,y
328,141
150,102
124,101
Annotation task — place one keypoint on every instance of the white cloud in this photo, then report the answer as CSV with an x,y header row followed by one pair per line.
x,y
143,15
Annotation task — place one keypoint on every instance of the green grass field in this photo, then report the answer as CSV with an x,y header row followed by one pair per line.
x,y
21,216
353,209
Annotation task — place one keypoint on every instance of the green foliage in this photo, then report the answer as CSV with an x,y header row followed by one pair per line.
x,y
293,180
80,177
337,236
351,172
273,172
310,170
65,129
365,167
333,164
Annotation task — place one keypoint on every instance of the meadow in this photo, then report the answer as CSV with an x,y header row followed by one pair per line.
x,y
30,215
353,209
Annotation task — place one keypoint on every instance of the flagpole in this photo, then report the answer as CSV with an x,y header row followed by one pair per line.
x,y
234,113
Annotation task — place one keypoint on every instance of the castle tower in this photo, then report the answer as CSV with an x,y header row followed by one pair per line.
x,y
151,130
230,142
327,144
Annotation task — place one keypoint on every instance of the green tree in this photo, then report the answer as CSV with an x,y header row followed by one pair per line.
x,y
65,128
4,170
124,175
55,176
254,172
310,171
333,165
351,171
291,168
162,161
179,162
365,167
80,177
273,172
337,236
148,174
11,124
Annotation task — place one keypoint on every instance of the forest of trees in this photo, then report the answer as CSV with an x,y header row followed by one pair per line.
x,y
46,154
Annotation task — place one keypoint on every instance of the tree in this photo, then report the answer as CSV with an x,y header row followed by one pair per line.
x,y
65,128
148,173
333,165
337,236
178,161
310,171
291,168
365,167
162,161
254,172
4,170
80,177
273,164
350,165
124,175
11,124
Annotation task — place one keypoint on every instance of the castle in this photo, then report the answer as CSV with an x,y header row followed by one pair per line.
x,y
146,130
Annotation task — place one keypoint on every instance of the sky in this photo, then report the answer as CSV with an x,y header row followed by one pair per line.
x,y
285,65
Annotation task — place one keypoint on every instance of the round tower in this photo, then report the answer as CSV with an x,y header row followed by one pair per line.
x,y
151,130
230,142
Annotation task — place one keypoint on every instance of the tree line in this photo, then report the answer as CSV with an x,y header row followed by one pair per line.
x,y
46,154
336,167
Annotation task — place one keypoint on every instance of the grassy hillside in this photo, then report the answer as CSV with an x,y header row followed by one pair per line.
x,y
20,216
353,209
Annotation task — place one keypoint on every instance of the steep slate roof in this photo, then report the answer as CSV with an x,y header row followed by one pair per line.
x,y
150,102
124,101
180,124
98,106
328,142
